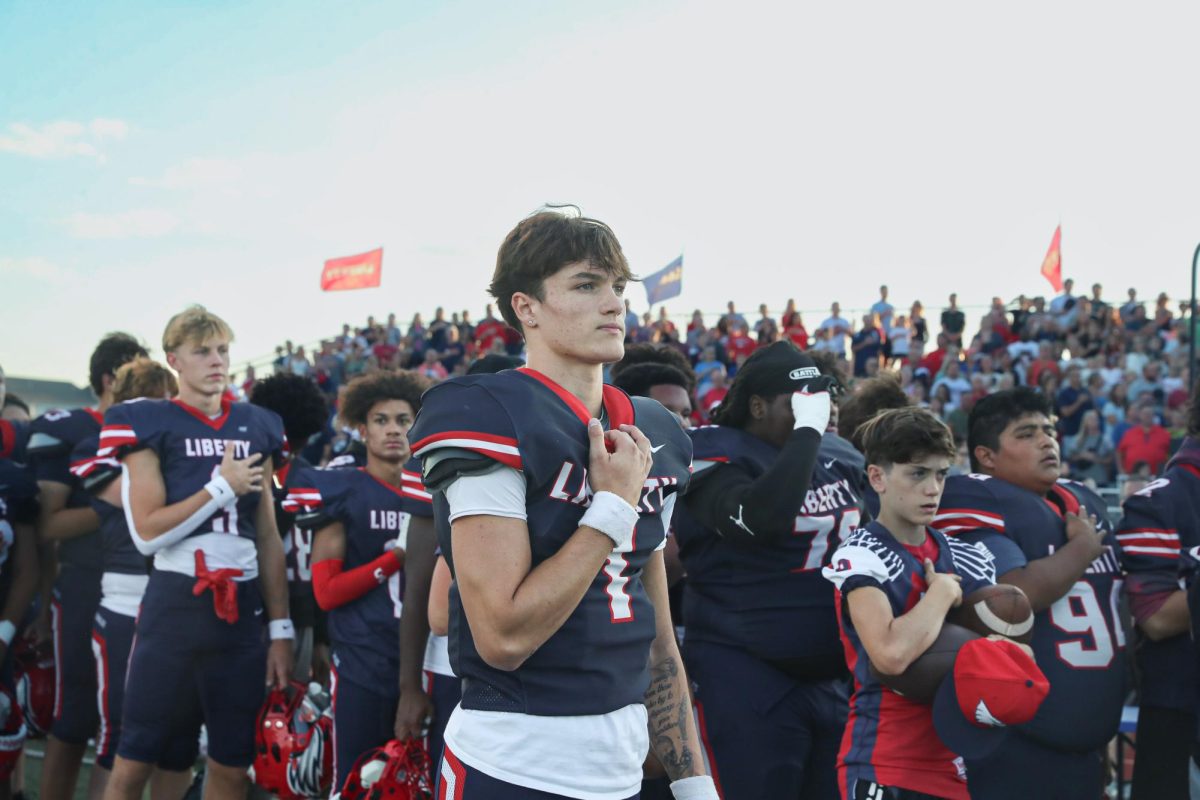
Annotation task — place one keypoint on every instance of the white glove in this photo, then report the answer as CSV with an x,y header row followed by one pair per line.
x,y
698,787
811,410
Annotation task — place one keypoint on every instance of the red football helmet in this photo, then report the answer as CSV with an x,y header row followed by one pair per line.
x,y
34,680
294,745
12,732
398,771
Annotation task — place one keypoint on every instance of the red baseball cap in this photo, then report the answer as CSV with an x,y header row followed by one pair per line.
x,y
994,684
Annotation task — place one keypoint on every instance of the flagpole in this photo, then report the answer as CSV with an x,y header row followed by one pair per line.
x,y
1192,325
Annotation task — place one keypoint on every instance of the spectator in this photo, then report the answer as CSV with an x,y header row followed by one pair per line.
x,y
765,328
1127,310
453,355
1149,386
1073,401
466,328
794,330
733,316
1147,441
916,321
437,330
838,328
883,309
299,364
705,369
898,337
631,320
1062,305
866,345
1045,362
953,321
740,345
432,368
391,331
416,329
247,387
954,383
1090,455
717,391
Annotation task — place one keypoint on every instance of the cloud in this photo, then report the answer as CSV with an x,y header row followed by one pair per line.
x,y
62,139
138,224
195,173
33,267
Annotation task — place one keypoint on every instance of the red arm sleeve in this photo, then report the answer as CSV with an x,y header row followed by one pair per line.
x,y
333,587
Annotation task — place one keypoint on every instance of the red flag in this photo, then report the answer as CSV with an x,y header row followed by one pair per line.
x,y
1052,263
352,272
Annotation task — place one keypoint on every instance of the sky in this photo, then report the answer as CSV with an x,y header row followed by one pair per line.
x,y
159,154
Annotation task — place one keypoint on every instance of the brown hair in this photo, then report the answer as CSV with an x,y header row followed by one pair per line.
x,y
542,244
194,324
870,397
143,377
363,393
904,435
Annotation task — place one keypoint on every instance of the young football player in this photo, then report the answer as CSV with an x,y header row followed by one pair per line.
x,y
124,579
194,469
1040,532
1161,522
67,520
373,554
767,505
302,407
896,579
441,684
552,494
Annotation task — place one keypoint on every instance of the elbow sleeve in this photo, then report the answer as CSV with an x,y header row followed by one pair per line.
x,y
333,588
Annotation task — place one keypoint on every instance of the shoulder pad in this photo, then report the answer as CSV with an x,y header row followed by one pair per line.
x,y
972,559
445,465
968,503
463,413
863,555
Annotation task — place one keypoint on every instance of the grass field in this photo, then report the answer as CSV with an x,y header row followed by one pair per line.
x,y
33,771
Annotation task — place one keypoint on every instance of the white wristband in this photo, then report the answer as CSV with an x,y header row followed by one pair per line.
x,y
281,629
698,787
221,491
613,517
7,632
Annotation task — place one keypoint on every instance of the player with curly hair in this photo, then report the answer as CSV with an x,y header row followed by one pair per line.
x,y
373,555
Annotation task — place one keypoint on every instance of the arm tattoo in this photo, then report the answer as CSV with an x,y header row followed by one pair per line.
x,y
668,706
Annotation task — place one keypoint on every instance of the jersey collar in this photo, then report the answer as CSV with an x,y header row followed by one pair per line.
x,y
215,424
95,414
616,402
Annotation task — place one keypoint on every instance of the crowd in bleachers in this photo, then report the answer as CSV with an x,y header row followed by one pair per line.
x,y
1116,371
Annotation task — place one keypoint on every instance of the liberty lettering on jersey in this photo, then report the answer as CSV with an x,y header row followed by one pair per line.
x,y
389,520
570,487
195,447
828,497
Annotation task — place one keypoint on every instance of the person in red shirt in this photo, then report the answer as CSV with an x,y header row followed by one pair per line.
x,y
1148,442
1045,362
739,345
932,361
794,330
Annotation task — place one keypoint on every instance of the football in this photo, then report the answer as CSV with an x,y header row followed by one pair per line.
x,y
1002,609
921,680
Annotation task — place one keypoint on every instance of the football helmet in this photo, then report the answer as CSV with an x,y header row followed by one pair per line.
x,y
12,732
396,771
34,682
294,744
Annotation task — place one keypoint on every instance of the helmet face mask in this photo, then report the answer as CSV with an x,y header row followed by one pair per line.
x,y
396,771
294,744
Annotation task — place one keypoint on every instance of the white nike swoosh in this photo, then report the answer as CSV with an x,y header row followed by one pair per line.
x,y
656,449
830,463
258,612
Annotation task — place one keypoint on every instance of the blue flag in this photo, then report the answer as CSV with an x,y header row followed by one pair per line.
x,y
666,283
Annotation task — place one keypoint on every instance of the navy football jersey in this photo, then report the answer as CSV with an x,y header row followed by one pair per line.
x,y
297,544
14,436
597,662
18,505
190,447
769,599
365,632
890,739
94,472
52,438
1078,641
1161,521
